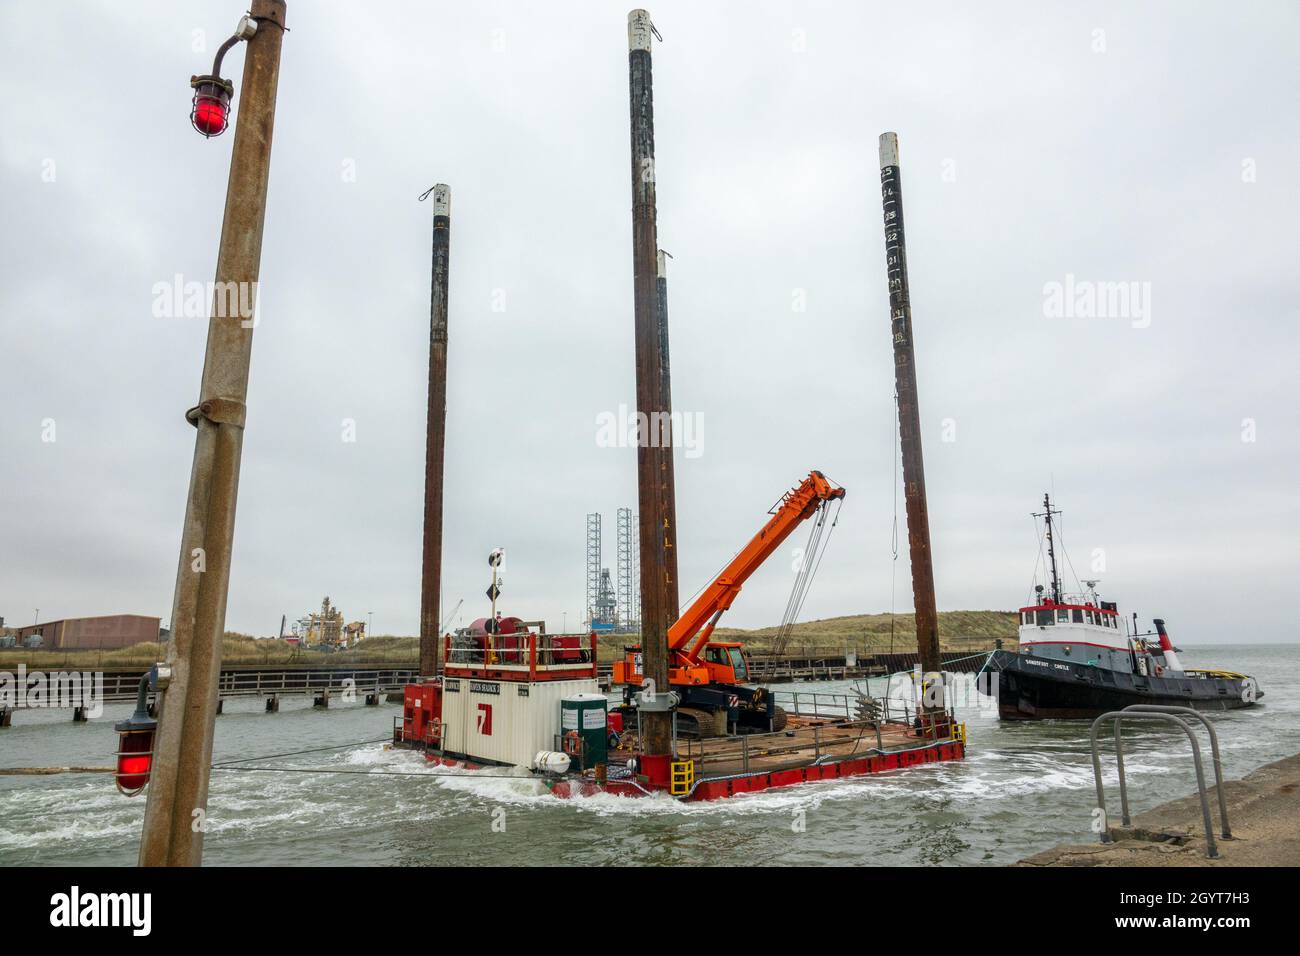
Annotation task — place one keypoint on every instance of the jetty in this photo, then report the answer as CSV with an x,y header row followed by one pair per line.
x,y
1264,806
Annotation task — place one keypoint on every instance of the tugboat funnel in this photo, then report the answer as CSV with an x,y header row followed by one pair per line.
x,y
1166,645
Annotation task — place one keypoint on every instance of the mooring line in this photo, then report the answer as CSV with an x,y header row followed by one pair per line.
x,y
376,773
44,771
296,753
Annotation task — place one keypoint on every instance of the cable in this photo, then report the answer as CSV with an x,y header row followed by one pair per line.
x,y
1066,552
295,753
818,541
375,773
682,609
1038,559
810,550
893,535
825,543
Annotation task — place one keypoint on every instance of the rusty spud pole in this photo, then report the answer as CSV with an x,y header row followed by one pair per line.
x,y
909,413
655,490
435,436
175,815
661,319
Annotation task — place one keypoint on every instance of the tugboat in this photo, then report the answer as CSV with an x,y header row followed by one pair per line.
x,y
1078,658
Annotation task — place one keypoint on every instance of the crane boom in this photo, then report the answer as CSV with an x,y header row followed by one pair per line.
x,y
696,625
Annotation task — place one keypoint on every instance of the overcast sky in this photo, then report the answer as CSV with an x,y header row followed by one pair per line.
x,y
1156,145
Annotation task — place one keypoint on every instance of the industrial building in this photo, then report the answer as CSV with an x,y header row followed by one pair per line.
x,y
93,633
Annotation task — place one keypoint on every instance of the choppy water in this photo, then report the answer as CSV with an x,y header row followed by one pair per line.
x,y
1023,788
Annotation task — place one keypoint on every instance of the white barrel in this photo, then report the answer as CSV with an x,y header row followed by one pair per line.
x,y
551,761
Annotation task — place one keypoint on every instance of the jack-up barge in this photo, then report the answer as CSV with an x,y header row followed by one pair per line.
x,y
531,700
513,695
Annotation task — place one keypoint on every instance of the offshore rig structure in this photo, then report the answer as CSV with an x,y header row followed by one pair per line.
x,y
614,604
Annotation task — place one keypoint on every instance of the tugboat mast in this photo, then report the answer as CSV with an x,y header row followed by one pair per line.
x,y
1051,550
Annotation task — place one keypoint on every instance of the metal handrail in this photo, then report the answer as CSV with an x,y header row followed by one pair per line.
x,y
465,651
1214,755
1118,716
840,705
845,707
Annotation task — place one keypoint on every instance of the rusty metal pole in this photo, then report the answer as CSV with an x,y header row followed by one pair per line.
x,y
435,436
655,490
178,789
661,319
909,415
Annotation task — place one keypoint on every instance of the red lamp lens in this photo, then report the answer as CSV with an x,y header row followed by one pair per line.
x,y
210,111
134,766
134,761
209,115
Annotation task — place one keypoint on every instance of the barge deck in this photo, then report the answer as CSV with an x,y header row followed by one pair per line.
x,y
826,737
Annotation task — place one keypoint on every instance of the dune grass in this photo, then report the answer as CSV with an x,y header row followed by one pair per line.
x,y
864,633
237,650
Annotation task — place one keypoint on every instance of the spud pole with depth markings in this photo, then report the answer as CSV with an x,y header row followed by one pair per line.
x,y
909,415
176,813
435,436
655,486
661,318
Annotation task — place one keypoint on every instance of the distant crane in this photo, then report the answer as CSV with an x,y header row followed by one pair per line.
x,y
443,628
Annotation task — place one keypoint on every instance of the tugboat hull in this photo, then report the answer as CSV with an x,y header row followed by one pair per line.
x,y
1040,688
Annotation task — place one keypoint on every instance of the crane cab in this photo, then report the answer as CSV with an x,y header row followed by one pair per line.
x,y
727,663
723,662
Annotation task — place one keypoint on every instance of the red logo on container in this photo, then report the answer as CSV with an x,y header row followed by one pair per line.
x,y
485,719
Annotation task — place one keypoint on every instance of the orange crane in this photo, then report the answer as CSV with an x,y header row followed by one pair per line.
x,y
710,676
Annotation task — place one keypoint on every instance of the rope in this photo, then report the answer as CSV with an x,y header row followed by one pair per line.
x,y
987,661
942,664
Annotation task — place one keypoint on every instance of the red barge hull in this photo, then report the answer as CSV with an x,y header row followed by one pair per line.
x,y
567,787
716,789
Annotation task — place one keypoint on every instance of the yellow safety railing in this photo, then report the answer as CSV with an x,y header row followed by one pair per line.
x,y
683,777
